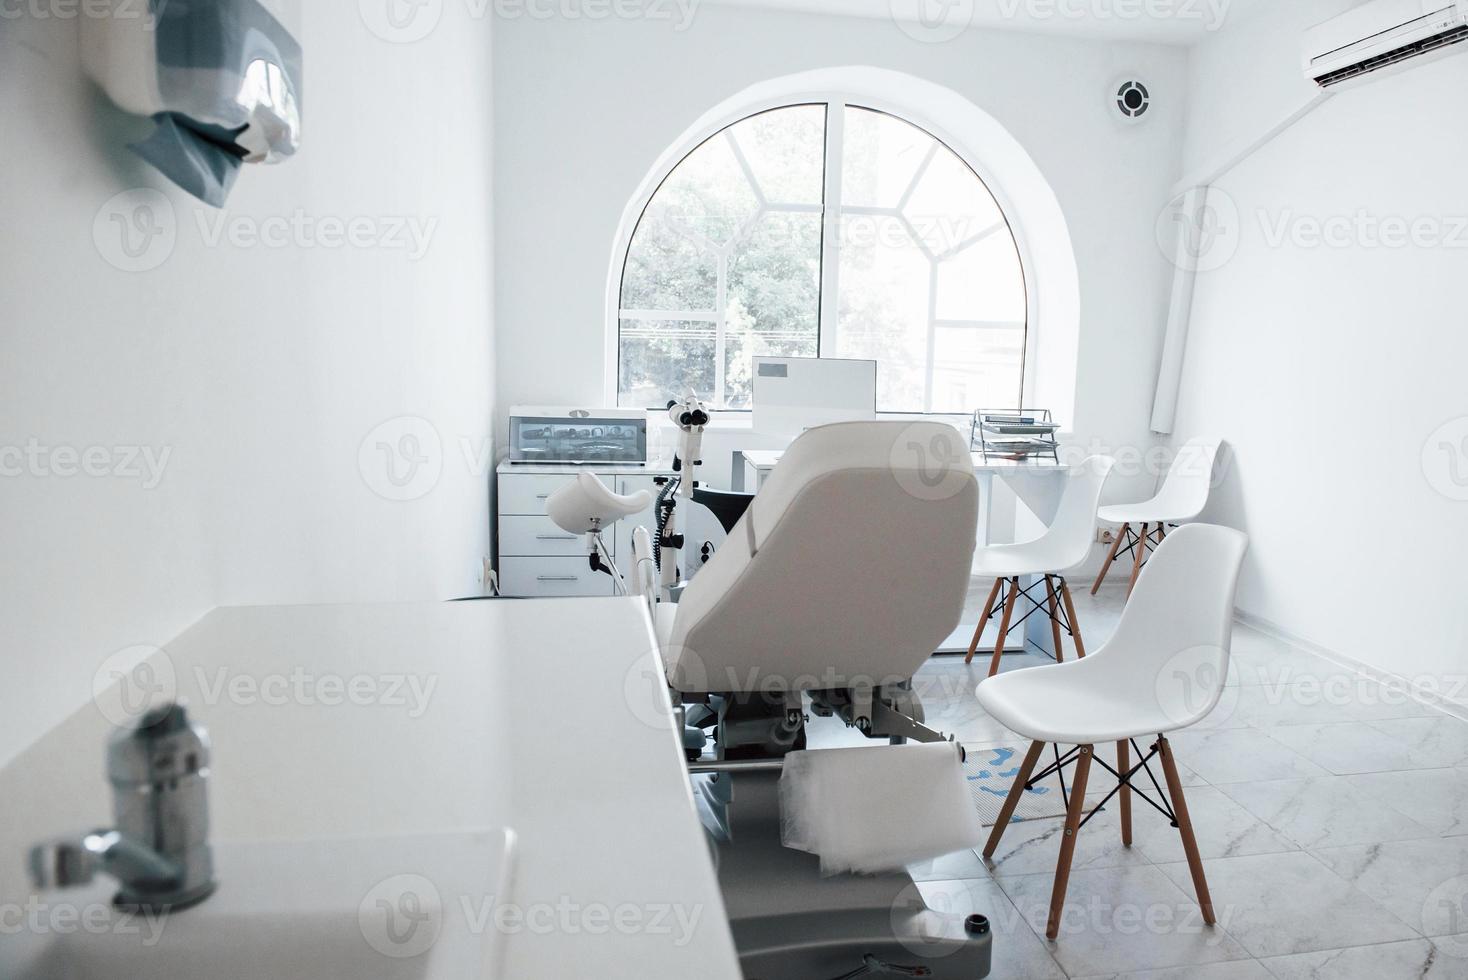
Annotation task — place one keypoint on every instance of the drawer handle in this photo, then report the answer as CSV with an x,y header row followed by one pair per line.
x,y
555,537
542,496
558,578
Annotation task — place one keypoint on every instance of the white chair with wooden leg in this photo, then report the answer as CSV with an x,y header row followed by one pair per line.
x,y
1063,546
1182,498
1162,671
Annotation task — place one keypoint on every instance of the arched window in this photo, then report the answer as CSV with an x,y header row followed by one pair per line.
x,y
914,266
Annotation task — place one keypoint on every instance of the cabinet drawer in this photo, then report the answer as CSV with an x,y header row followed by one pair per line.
x,y
522,535
544,577
526,493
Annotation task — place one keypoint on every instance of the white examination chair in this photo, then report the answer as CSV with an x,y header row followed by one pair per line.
x,y
840,579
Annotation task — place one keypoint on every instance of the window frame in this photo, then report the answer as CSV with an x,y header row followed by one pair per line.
x,y
829,287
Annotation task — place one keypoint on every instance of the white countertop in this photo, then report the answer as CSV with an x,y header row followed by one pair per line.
x,y
537,715
765,459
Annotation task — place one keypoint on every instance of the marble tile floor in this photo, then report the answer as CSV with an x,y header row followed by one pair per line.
x,y
1332,816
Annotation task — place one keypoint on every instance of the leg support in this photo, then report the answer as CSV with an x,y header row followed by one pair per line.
x,y
1110,558
1011,802
1068,842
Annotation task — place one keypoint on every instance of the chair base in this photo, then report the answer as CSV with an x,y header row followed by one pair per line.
x,y
1057,606
1138,545
1170,804
790,922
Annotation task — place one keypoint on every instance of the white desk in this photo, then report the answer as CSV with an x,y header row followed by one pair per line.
x,y
1031,495
539,719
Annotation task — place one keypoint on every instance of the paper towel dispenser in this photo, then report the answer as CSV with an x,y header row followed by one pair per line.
x,y
221,78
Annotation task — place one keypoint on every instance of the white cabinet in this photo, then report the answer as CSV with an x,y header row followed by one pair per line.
x,y
536,558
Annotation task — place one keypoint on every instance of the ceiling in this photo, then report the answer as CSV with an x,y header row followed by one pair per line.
x,y
1181,22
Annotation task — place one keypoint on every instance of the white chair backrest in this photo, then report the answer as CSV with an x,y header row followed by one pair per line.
x,y
850,567
1073,531
1175,634
1184,492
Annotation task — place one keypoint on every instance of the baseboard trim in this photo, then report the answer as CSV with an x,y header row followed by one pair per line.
x,y
1426,696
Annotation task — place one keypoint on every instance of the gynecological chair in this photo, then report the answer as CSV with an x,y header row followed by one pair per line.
x,y
836,584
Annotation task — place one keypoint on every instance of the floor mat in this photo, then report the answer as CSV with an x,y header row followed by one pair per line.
x,y
991,771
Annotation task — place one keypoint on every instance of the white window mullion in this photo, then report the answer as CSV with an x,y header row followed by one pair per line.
x,y
932,336
721,322
831,229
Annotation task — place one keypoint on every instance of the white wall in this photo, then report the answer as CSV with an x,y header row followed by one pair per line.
x,y
586,107
1329,368
258,370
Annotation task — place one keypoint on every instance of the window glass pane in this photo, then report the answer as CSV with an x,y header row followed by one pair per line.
x,y
774,298
884,307
784,150
882,153
977,367
659,360
951,206
706,245
983,283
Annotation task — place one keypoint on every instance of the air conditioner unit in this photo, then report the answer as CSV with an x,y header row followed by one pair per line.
x,y
1383,35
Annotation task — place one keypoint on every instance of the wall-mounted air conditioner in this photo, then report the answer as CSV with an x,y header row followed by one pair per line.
x,y
1381,36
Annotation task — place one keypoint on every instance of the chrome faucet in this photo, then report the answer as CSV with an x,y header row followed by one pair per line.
x,y
158,849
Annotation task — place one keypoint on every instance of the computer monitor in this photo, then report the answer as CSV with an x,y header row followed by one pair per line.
x,y
792,394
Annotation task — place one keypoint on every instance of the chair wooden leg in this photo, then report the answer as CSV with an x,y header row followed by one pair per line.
x,y
973,646
1123,763
1068,843
1054,609
1161,533
1115,550
1004,625
1075,624
1142,540
1011,802
1185,827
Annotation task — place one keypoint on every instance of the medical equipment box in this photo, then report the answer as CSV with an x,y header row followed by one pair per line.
x,y
578,436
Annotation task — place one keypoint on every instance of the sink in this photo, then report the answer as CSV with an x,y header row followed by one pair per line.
x,y
399,908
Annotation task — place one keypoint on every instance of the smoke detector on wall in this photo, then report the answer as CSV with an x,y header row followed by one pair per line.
x,y
1132,99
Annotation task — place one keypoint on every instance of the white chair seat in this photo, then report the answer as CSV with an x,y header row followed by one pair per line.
x,y
1072,704
1144,513
1045,556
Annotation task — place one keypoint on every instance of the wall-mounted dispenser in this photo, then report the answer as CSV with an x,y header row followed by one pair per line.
x,y
221,78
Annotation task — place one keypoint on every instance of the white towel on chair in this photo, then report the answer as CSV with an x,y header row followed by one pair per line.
x,y
871,810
